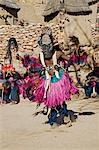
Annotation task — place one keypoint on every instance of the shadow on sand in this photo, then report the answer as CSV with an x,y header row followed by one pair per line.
x,y
74,115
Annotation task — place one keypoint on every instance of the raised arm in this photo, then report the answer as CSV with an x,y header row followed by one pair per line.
x,y
62,55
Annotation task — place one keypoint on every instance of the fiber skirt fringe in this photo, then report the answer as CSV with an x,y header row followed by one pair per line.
x,y
58,91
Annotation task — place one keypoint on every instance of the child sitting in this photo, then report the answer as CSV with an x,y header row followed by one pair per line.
x,y
91,87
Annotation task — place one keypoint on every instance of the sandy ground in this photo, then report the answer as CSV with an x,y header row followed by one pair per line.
x,y
19,130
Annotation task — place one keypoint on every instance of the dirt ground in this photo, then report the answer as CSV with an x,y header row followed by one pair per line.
x,y
19,130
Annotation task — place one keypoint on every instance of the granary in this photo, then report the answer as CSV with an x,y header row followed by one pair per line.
x,y
79,17
8,11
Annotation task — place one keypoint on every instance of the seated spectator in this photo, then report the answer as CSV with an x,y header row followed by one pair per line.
x,y
91,87
14,94
15,74
6,92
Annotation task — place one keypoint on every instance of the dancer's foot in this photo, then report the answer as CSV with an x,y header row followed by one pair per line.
x,y
54,125
67,121
13,102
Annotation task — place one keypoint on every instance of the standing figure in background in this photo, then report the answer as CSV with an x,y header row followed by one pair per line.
x,y
77,57
12,47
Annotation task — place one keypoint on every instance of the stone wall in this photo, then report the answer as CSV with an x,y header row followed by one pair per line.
x,y
26,36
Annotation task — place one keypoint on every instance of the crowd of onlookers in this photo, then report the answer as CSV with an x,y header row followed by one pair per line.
x,y
9,86
12,83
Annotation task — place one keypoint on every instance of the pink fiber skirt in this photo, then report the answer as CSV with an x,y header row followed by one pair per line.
x,y
57,93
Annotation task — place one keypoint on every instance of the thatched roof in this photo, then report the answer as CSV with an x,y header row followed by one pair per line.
x,y
9,4
77,7
52,7
91,2
72,7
